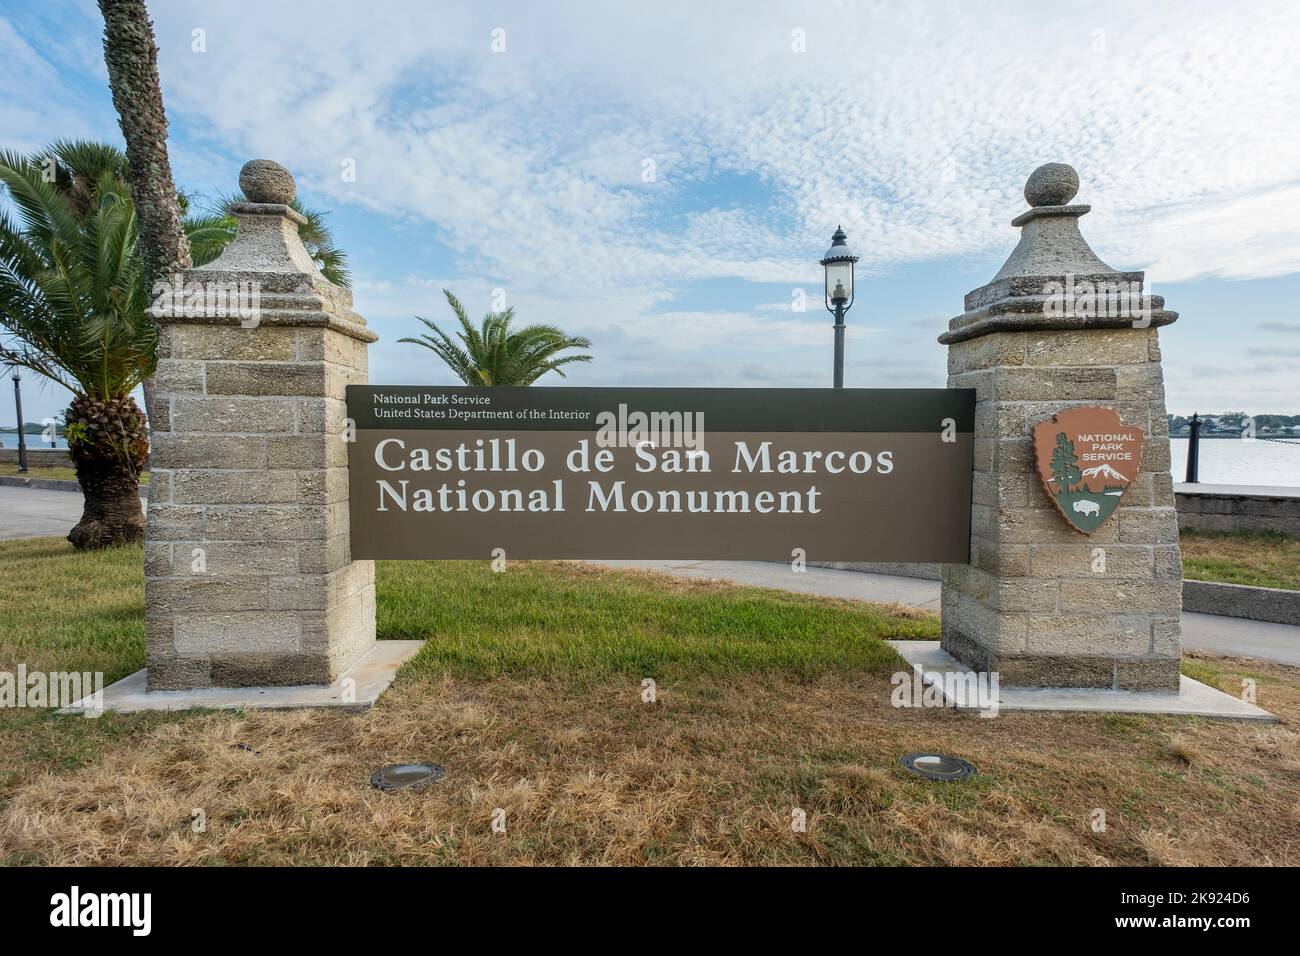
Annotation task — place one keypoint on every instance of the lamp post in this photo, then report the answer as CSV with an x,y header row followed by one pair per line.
x,y
22,438
838,263
1194,449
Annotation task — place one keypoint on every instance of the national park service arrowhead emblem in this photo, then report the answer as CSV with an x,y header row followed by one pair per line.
x,y
1087,458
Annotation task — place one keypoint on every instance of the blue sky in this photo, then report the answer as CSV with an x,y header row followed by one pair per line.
x,y
663,177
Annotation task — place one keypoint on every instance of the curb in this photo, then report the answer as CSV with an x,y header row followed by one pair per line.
x,y
48,484
1242,600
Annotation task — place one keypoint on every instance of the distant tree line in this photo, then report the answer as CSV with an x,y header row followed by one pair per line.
x,y
1234,423
31,428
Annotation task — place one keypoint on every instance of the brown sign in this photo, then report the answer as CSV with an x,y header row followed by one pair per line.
x,y
1087,458
770,474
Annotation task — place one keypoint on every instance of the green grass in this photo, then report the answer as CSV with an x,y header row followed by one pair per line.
x,y
84,610
561,619
1214,674
52,472
69,610
1260,559
64,610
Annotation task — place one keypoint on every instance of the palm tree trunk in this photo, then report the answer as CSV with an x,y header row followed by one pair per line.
x,y
108,446
131,56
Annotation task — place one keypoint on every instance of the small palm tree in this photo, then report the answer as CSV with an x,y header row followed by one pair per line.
x,y
494,354
72,300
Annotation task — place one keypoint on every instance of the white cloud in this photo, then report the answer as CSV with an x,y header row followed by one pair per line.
x,y
915,127
912,125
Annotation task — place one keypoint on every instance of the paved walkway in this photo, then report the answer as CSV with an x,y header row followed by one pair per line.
x,y
37,513
34,513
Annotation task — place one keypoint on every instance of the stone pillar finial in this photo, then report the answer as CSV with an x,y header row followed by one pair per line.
x,y
1051,254
267,239
1041,602
266,181
1052,184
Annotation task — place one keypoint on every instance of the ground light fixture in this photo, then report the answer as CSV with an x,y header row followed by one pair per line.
x,y
406,776
838,263
937,766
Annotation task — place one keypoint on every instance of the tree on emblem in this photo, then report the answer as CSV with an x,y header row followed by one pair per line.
x,y
1065,470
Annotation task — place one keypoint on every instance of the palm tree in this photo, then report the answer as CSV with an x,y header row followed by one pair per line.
x,y
131,56
493,354
72,299
75,167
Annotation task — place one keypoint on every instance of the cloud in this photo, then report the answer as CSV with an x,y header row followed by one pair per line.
x,y
41,104
918,139
602,164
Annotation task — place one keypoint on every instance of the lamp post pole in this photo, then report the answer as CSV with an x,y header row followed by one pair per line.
x,y
839,344
1194,449
838,263
22,438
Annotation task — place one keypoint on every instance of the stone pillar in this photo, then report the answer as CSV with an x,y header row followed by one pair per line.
x,y
1041,603
248,576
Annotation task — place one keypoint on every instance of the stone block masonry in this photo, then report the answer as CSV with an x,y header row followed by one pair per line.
x,y
1041,603
1239,508
248,576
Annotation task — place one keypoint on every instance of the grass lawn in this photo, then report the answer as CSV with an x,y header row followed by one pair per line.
x,y
530,693
1266,560
54,472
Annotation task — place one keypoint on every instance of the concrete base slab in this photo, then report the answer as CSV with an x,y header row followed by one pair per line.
x,y
357,689
1193,699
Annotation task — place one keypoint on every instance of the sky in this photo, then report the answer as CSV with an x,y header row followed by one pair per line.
x,y
662,178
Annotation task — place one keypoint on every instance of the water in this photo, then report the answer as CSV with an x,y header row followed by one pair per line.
x,y
9,440
1233,461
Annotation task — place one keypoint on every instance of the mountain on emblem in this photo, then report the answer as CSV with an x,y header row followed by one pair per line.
x,y
1087,457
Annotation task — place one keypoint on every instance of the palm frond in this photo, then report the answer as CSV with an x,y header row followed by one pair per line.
x,y
208,235
72,304
494,353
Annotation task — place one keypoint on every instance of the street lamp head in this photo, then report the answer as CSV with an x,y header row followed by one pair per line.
x,y
838,263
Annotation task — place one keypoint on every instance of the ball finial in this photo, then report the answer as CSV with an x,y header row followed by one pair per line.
x,y
1052,184
264,180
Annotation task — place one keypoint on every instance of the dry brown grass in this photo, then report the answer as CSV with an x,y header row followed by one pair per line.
x,y
588,774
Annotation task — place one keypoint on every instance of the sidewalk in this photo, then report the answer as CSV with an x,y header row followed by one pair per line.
x,y
37,513
34,513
